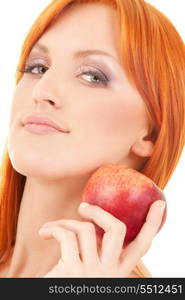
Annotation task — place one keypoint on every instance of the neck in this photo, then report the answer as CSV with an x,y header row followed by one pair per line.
x,y
42,202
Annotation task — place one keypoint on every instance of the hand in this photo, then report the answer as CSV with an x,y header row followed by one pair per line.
x,y
80,254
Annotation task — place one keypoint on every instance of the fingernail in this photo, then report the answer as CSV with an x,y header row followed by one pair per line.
x,y
83,204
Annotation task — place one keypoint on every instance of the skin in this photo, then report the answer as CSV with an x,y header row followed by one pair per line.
x,y
106,124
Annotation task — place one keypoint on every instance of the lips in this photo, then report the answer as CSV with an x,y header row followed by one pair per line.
x,y
42,120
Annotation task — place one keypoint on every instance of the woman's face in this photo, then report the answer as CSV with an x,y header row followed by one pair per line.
x,y
87,93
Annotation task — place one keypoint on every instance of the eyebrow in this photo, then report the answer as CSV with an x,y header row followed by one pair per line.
x,y
78,54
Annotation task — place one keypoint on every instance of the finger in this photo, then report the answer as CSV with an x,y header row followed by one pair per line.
x,y
87,238
68,242
140,245
115,230
112,246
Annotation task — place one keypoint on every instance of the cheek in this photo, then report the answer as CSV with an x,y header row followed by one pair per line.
x,y
19,104
114,118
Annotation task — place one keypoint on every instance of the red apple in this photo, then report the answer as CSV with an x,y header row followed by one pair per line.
x,y
125,193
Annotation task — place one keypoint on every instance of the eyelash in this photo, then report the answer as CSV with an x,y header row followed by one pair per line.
x,y
102,78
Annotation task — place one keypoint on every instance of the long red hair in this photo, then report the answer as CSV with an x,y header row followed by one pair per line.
x,y
152,54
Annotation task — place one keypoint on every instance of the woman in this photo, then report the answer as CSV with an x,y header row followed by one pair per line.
x,y
105,72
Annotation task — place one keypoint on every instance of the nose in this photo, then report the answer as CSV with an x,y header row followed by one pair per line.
x,y
45,91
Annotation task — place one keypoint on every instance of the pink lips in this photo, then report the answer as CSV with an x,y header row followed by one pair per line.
x,y
41,124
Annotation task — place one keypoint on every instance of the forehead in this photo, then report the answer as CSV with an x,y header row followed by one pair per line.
x,y
87,25
92,11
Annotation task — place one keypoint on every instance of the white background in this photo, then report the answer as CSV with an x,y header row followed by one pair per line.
x,y
166,256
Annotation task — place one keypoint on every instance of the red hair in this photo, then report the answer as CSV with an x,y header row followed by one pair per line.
x,y
152,54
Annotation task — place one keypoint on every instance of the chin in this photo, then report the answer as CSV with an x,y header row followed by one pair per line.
x,y
29,164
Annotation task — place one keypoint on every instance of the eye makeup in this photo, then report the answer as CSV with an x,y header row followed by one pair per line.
x,y
88,61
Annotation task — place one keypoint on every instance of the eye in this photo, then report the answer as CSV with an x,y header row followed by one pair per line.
x,y
96,77
30,68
